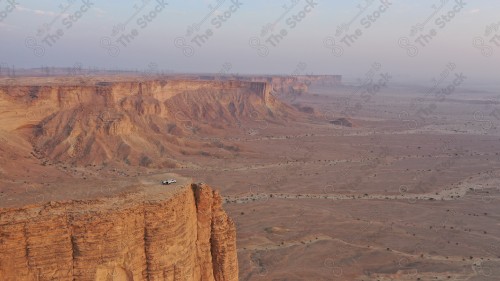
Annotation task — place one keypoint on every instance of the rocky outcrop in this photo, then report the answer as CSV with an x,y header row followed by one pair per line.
x,y
138,236
289,88
344,122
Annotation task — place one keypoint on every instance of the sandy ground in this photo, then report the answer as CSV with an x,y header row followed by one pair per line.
x,y
148,186
398,197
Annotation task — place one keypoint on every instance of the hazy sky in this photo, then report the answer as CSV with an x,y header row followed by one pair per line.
x,y
155,34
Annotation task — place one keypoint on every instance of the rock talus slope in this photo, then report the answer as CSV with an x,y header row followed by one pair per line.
x,y
186,236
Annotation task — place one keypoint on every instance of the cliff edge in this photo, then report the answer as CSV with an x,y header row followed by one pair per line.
x,y
180,234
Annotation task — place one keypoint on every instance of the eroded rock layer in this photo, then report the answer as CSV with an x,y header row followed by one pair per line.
x,y
183,236
142,123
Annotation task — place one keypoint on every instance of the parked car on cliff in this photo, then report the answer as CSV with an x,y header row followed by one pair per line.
x,y
169,181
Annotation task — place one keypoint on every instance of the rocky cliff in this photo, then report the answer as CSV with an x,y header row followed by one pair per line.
x,y
132,122
183,234
288,88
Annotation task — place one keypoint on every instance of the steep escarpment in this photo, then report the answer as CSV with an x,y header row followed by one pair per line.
x,y
184,235
140,123
288,88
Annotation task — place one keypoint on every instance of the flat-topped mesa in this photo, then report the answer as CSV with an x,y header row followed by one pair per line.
x,y
63,95
131,122
185,235
293,84
165,99
281,85
300,84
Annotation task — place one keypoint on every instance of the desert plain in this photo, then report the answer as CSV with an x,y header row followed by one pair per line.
x,y
397,196
339,182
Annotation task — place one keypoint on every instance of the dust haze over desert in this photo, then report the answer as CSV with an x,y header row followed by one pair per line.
x,y
249,140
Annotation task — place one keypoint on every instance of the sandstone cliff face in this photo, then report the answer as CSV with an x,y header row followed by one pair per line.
x,y
183,236
133,123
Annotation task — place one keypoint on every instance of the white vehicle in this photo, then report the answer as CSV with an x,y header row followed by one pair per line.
x,y
167,182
